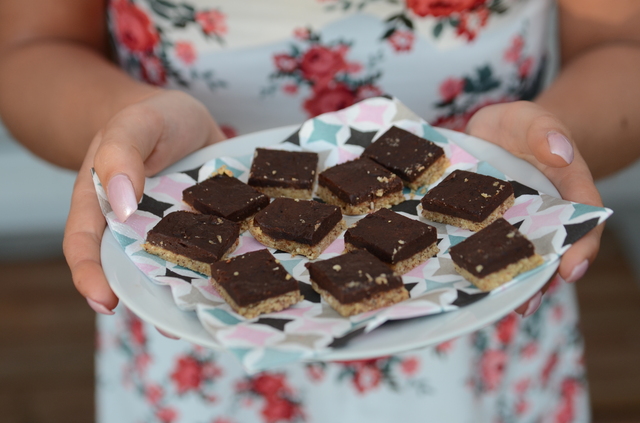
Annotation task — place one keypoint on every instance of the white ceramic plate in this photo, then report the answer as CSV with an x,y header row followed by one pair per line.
x,y
154,303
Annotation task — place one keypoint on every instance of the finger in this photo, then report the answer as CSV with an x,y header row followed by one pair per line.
x,y
526,130
166,334
530,306
82,238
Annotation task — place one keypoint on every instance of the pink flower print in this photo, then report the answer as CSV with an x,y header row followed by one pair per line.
x,y
548,368
133,28
302,33
152,70
320,64
512,55
366,378
315,372
524,68
410,366
268,384
522,406
278,409
444,347
492,368
507,328
329,99
285,63
522,386
141,362
136,330
439,8
229,131
166,415
291,89
187,375
367,91
211,370
212,22
451,88
402,40
154,394
529,351
185,52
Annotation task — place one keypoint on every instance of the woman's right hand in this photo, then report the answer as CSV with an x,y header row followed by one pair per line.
x,y
139,141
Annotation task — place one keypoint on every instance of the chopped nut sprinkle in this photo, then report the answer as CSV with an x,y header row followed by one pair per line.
x,y
337,267
479,268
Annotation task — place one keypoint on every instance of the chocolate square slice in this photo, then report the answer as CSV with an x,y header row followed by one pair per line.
x,y
193,240
415,160
467,200
398,241
298,226
360,186
255,283
494,255
279,173
356,282
225,196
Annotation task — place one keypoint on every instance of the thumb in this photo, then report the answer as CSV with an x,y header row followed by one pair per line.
x,y
526,130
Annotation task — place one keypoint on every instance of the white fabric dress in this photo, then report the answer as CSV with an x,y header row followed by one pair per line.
x,y
263,64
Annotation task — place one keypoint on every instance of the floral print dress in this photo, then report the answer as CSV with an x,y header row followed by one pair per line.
x,y
263,64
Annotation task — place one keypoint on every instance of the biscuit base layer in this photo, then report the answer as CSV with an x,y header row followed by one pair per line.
x,y
386,201
275,192
184,261
403,266
270,305
431,174
296,248
468,224
376,301
495,279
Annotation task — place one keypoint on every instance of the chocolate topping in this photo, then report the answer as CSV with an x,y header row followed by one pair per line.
x,y
491,249
200,237
390,236
225,196
305,222
467,195
285,169
353,276
253,277
359,180
403,153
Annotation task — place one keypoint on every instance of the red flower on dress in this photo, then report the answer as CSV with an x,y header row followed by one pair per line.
x,y
366,378
185,52
166,415
512,55
329,99
285,63
367,91
439,8
290,89
212,22
154,393
278,409
507,328
187,375
410,366
548,368
269,385
402,40
133,27
152,70
444,347
529,350
136,329
315,372
320,64
524,68
450,89
301,33
492,368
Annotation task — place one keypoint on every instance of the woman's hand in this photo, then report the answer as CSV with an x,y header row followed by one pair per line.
x,y
531,133
139,141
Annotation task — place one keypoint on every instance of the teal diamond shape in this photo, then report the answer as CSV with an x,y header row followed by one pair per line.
x,y
580,209
153,257
324,132
485,168
275,358
223,316
125,241
432,135
454,240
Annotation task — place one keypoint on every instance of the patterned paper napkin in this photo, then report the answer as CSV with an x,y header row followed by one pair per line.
x,y
312,327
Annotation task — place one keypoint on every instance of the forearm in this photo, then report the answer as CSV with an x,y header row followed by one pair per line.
x,y
55,96
596,96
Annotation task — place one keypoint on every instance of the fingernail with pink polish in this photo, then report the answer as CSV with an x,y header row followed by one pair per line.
x,y
99,308
560,146
166,334
122,197
578,271
534,305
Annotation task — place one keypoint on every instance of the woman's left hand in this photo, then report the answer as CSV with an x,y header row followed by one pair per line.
x,y
530,132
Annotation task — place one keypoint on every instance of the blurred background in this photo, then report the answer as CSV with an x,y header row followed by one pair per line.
x,y
47,329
